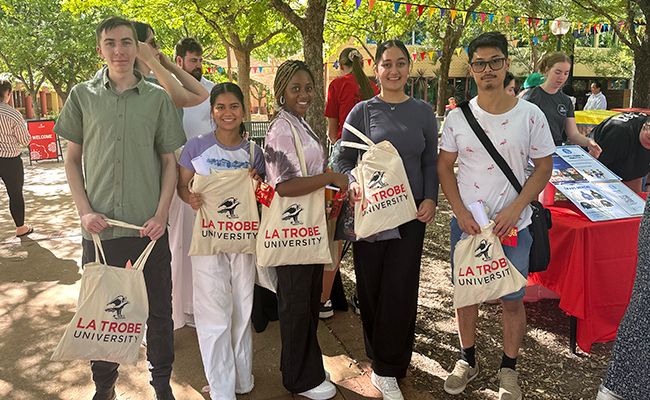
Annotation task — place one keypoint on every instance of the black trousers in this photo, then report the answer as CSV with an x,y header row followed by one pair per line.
x,y
160,327
299,291
13,175
388,277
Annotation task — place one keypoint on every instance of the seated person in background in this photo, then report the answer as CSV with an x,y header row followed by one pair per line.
x,y
450,106
597,100
625,140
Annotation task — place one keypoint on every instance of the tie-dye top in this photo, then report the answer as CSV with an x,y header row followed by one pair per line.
x,y
280,149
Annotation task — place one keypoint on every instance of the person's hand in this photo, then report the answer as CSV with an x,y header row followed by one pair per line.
x,y
195,201
505,221
254,175
355,193
594,148
467,223
94,222
154,228
164,60
427,211
339,180
147,54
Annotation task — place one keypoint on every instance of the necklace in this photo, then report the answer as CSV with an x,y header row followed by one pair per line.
x,y
392,106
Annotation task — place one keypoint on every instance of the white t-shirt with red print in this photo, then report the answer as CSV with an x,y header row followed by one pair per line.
x,y
518,135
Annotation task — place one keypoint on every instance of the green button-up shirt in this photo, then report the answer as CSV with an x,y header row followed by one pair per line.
x,y
123,136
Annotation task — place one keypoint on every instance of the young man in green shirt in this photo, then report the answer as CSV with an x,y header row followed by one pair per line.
x,y
125,130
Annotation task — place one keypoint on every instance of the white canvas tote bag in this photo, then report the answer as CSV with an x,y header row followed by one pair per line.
x,y
482,271
228,220
386,198
112,310
293,230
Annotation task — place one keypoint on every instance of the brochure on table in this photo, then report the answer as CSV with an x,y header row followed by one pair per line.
x,y
593,188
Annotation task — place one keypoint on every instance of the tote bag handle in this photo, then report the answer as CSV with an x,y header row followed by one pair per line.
x,y
299,150
139,263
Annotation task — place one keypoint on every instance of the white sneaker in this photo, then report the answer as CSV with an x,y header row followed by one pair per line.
x,y
323,391
606,394
387,385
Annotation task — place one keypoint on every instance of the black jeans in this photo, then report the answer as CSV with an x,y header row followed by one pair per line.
x,y
299,290
388,277
13,175
160,327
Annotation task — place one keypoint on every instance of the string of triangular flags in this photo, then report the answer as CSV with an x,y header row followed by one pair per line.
x,y
587,27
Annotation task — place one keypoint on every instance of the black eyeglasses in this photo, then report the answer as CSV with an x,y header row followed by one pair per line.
x,y
495,64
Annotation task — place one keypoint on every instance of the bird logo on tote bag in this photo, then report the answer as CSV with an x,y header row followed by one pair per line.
x,y
377,180
291,214
483,250
116,306
228,206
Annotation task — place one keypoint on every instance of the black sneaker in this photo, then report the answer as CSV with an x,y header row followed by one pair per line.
x,y
355,304
326,310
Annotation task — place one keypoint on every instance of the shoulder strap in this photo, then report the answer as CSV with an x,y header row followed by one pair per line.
x,y
487,143
299,150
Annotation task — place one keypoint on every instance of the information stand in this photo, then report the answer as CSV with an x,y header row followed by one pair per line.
x,y
593,188
45,144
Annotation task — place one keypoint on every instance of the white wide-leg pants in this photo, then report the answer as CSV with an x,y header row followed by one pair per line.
x,y
223,300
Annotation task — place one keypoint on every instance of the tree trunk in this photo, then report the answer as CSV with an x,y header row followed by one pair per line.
x,y
312,36
641,88
36,103
443,77
244,79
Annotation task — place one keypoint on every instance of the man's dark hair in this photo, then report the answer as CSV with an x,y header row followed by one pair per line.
x,y
185,45
488,39
111,23
5,86
142,30
598,85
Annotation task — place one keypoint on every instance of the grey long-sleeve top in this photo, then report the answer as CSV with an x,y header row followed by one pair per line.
x,y
410,127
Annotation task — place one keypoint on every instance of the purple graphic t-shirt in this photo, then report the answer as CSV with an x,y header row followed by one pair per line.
x,y
220,157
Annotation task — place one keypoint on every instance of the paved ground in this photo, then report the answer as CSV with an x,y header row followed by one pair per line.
x,y
39,283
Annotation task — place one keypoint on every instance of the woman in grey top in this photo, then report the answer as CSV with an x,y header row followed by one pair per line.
x,y
388,272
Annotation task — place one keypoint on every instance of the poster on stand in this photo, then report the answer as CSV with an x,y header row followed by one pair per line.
x,y
593,202
625,197
590,168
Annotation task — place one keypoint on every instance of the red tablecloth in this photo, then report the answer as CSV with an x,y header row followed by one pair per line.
x,y
593,266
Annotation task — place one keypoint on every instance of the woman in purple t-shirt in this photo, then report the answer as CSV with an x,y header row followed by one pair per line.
x,y
223,283
299,286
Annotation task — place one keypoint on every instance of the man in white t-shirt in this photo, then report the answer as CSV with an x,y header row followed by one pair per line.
x,y
519,131
597,100
197,120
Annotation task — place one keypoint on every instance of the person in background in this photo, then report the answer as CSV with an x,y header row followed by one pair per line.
x,y
509,84
631,351
596,100
223,282
299,286
343,93
568,90
122,132
532,81
451,105
625,140
388,271
13,134
197,121
556,105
